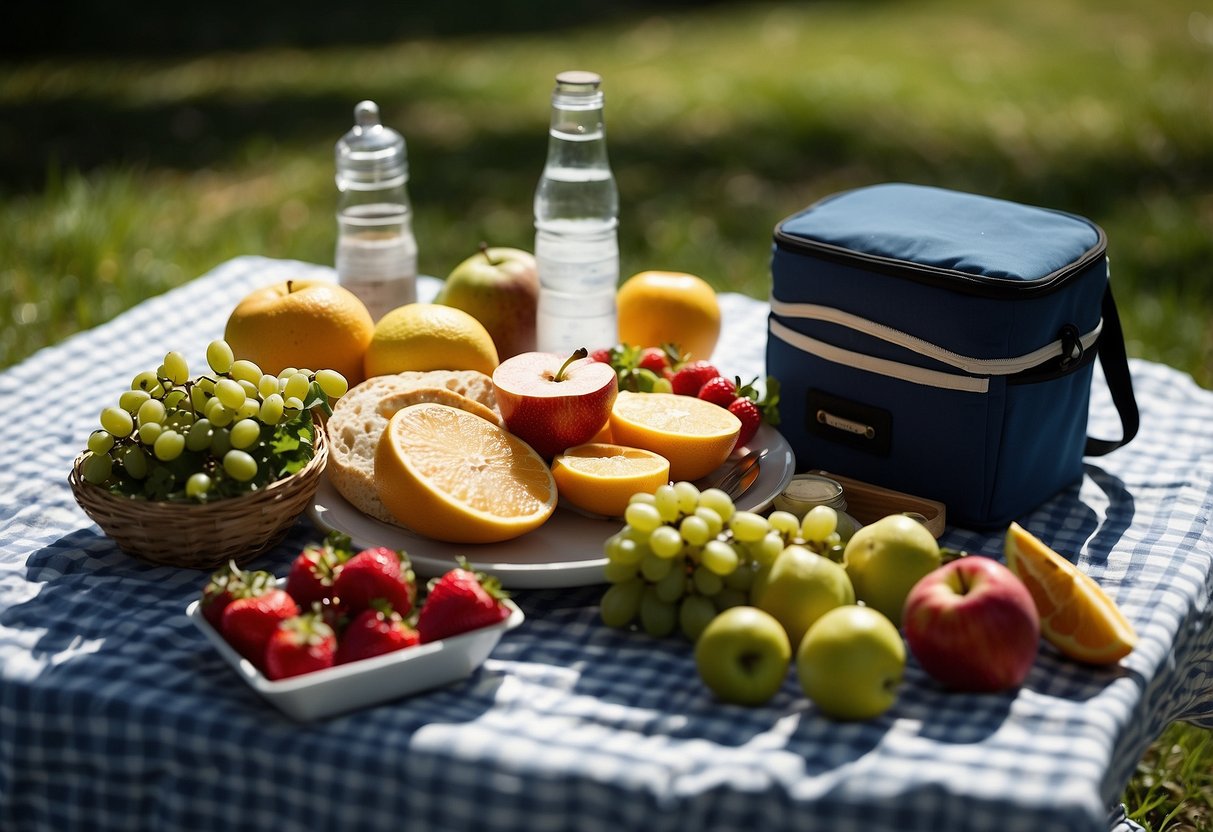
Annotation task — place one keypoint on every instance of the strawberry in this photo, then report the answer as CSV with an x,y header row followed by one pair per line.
x,y
300,644
459,601
248,623
227,584
719,391
376,573
375,631
688,378
654,359
313,570
751,418
601,355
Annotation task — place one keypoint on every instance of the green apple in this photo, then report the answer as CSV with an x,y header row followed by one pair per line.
x,y
886,558
851,662
743,656
500,288
801,587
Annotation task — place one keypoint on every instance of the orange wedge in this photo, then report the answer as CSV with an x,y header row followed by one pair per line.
x,y
694,435
601,478
453,476
1076,615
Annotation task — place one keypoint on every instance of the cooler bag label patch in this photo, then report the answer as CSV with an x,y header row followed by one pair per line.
x,y
848,422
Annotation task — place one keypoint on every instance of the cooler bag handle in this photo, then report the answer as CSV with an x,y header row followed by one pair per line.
x,y
1115,364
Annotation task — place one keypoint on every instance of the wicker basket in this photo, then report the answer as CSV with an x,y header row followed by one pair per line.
x,y
203,535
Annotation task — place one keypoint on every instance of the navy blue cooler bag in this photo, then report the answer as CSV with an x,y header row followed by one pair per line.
x,y
942,344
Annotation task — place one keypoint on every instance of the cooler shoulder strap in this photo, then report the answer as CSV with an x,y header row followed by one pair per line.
x,y
1115,364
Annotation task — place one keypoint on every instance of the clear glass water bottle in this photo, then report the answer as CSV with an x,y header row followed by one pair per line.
x,y
576,223
376,251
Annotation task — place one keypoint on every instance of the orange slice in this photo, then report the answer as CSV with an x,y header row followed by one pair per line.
x,y
453,476
694,435
601,478
1076,615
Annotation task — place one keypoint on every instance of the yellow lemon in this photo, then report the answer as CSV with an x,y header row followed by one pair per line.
x,y
1076,615
429,336
601,478
658,308
453,476
694,435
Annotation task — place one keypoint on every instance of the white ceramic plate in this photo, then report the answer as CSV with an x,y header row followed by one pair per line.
x,y
347,687
566,551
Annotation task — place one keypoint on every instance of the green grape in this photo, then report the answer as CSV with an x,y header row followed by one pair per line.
x,y
134,462
642,497
230,393
641,538
719,557
763,552
245,433
620,604
292,406
832,539
615,572
176,369
296,387
694,530
818,523
250,389
152,410
709,516
180,420
761,576
219,356
131,399
100,441
244,370
198,399
694,614
654,568
174,398
239,465
688,496
623,549
706,581
207,385
719,502
332,383
97,468
836,553
218,415
663,385
665,541
748,526
145,381
740,578
671,588
727,598
286,373
197,485
117,421
784,522
249,410
149,432
221,441
666,500
267,386
657,618
271,409
169,446
642,517
199,435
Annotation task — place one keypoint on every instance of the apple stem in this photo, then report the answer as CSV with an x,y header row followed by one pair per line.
x,y
290,286
484,249
581,352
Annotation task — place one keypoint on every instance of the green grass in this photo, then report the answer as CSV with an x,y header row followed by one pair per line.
x,y
136,163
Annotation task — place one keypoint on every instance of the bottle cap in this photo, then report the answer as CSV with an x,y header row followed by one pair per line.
x,y
578,90
370,156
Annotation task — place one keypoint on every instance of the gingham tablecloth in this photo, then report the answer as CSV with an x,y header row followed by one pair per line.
x,y
115,714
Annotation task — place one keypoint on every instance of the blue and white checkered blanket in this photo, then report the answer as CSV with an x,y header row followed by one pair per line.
x,y
115,713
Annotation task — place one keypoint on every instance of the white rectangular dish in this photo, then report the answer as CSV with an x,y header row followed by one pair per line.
x,y
347,687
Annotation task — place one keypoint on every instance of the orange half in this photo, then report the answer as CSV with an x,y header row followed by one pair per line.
x,y
694,435
1076,615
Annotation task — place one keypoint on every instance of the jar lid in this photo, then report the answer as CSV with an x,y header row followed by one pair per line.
x,y
370,156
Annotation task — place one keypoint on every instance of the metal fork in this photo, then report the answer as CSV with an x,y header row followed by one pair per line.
x,y
735,480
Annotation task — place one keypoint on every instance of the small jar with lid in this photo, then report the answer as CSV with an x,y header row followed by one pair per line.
x,y
808,490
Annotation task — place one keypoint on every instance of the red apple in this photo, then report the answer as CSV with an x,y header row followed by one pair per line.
x,y
553,402
972,625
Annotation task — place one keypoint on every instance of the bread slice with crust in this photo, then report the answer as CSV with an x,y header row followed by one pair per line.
x,y
361,415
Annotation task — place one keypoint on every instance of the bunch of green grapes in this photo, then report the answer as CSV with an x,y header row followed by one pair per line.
x,y
224,433
685,555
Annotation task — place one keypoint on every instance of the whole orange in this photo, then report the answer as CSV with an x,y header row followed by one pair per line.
x,y
308,324
658,308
